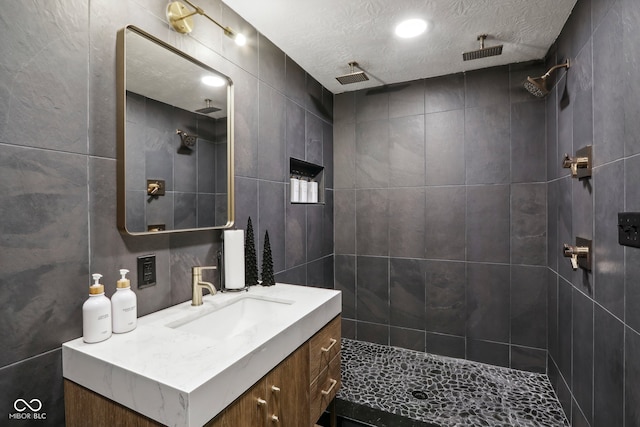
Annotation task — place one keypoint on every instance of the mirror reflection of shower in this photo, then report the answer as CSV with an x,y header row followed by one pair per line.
x,y
537,86
187,142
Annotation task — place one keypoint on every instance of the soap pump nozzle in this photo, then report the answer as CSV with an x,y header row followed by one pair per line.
x,y
123,282
97,287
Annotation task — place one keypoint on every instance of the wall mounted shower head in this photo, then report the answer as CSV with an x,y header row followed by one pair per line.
x,y
537,86
353,76
186,142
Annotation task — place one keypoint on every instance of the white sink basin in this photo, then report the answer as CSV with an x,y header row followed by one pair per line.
x,y
237,316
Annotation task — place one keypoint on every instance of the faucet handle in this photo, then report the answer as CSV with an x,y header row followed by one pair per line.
x,y
574,252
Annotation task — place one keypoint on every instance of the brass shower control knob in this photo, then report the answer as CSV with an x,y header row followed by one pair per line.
x,y
574,163
577,254
155,187
580,165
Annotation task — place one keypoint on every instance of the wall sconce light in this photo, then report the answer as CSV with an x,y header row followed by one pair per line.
x,y
180,19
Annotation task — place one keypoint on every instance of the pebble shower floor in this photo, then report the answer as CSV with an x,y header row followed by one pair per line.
x,y
450,392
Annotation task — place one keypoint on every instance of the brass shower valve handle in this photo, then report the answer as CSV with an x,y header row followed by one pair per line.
x,y
574,252
155,187
580,165
574,163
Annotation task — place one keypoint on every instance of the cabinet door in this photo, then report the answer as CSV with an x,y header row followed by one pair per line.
x,y
248,410
288,391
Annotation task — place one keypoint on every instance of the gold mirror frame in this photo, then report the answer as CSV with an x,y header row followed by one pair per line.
x,y
121,134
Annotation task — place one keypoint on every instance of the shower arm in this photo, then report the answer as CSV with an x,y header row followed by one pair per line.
x,y
555,67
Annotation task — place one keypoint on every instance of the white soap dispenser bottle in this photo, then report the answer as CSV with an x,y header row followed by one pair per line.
x,y
124,305
96,314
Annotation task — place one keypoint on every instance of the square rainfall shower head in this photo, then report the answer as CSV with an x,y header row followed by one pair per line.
x,y
355,77
482,53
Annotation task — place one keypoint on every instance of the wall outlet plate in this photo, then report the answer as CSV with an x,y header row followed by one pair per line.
x,y
629,229
146,271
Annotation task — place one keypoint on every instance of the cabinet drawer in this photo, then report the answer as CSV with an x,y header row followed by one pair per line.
x,y
324,388
323,347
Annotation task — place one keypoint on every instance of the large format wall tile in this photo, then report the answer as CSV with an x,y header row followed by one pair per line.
x,y
488,302
35,378
372,304
372,222
444,148
445,223
582,351
528,303
271,141
407,293
406,151
372,154
487,220
608,378
45,250
445,297
608,253
487,145
44,86
528,224
528,148
406,222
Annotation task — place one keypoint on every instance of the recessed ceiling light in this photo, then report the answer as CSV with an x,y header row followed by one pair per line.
x,y
214,81
411,28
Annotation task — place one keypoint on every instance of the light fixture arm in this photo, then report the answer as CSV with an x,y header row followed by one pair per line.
x,y
176,16
201,11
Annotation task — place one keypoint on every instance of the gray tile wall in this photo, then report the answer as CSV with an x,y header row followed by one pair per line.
x,y
593,321
441,213
58,172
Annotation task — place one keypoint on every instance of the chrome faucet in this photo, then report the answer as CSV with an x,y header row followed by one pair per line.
x,y
198,284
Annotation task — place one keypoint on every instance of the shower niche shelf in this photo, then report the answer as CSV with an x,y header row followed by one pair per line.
x,y
303,170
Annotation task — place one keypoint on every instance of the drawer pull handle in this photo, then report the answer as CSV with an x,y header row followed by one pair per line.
x,y
275,419
261,402
275,389
327,349
333,384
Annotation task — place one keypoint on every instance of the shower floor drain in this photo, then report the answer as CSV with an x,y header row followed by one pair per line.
x,y
421,395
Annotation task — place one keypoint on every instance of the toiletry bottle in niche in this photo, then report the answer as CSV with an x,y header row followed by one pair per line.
x,y
295,189
96,313
124,306
304,185
313,191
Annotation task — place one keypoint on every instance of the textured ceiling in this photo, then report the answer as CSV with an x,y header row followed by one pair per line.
x,y
323,36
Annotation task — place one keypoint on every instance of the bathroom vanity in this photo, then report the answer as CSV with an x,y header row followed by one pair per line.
x,y
270,356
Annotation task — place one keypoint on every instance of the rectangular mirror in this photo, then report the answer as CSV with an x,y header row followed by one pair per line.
x,y
175,139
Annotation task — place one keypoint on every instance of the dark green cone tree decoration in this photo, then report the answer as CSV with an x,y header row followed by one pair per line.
x,y
267,263
250,257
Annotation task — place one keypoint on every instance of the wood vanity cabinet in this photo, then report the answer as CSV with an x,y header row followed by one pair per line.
x,y
296,392
293,394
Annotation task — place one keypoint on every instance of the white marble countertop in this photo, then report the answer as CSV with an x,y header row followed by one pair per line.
x,y
183,379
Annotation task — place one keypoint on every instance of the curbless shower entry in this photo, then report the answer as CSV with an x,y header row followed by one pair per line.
x,y
386,386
